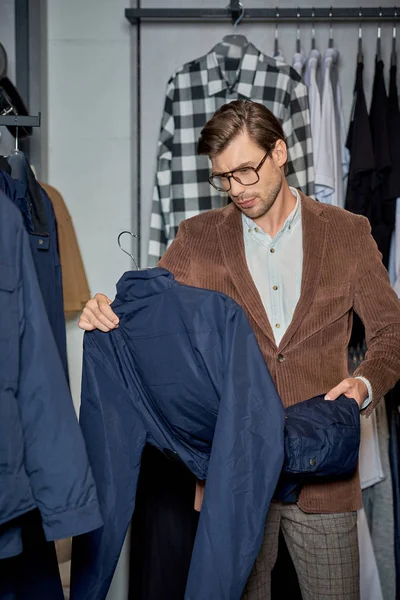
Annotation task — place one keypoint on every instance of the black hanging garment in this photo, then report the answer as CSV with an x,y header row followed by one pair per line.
x,y
163,530
362,165
362,160
392,183
383,208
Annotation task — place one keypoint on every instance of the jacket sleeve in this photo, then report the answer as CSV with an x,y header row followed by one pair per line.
x,y
297,129
379,309
55,456
115,437
245,464
161,204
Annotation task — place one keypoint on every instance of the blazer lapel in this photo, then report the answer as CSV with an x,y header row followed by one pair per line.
x,y
230,232
314,242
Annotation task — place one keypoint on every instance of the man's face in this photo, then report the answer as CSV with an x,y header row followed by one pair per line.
x,y
257,199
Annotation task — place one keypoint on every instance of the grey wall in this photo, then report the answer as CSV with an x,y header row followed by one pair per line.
x,y
89,149
165,47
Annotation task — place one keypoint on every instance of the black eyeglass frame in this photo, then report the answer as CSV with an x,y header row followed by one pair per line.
x,y
230,175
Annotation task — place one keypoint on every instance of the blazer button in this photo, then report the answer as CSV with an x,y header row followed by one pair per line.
x,y
280,358
313,462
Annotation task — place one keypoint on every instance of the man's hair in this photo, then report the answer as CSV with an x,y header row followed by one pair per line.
x,y
235,118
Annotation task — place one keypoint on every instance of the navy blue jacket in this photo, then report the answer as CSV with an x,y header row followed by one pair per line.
x,y
40,222
184,373
43,461
322,440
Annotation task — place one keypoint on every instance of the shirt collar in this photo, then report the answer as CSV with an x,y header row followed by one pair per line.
x,y
246,72
290,221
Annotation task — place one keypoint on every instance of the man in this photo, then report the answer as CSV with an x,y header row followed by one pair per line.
x,y
299,269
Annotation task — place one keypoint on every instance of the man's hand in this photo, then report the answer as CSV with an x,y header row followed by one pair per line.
x,y
350,387
97,314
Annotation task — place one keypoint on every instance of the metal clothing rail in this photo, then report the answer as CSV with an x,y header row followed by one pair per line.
x,y
343,14
20,120
235,13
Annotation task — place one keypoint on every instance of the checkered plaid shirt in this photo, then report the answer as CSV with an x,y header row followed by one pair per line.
x,y
194,93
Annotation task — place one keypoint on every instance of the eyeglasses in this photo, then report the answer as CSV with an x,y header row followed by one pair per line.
x,y
244,176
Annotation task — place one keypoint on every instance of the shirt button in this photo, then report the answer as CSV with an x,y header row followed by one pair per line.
x,y
280,358
277,325
249,230
256,229
272,250
275,287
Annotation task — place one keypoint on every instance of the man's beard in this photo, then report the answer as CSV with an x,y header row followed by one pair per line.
x,y
263,205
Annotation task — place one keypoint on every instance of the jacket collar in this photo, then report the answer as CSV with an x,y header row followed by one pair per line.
x,y
230,234
142,284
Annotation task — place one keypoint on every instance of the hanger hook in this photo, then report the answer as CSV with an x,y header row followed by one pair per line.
x,y
380,23
240,17
16,138
276,22
330,27
126,251
298,30
276,42
313,29
393,59
360,57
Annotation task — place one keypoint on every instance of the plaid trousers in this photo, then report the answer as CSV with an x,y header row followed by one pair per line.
x,y
324,550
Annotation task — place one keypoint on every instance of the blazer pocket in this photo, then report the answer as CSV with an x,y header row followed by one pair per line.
x,y
326,294
331,304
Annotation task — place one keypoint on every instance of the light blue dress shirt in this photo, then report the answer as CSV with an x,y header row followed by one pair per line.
x,y
276,266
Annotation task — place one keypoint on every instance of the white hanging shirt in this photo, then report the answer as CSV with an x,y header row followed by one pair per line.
x,y
343,163
299,60
314,98
326,165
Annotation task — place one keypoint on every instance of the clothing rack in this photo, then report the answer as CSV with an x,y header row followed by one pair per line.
x,y
20,120
234,13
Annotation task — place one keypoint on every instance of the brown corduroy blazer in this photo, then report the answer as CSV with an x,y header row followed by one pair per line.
x,y
342,272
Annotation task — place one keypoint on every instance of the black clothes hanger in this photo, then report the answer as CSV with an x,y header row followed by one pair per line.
x,y
393,57
331,43
298,40
360,57
313,30
276,41
378,40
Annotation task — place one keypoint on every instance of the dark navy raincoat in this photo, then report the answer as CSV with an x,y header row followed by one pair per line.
x,y
43,461
184,373
40,222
